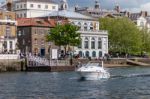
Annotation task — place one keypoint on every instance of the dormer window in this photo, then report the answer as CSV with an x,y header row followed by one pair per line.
x,y
85,27
91,26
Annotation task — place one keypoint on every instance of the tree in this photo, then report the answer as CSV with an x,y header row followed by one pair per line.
x,y
64,35
124,35
145,35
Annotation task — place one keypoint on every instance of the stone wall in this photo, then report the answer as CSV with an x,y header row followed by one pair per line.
x,y
12,65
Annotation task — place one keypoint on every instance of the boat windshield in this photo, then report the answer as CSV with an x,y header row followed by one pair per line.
x,y
92,64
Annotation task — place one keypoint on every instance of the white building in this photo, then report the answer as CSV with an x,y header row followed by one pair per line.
x,y
34,8
94,41
143,22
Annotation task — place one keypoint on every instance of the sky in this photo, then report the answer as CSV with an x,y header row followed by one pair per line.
x,y
131,5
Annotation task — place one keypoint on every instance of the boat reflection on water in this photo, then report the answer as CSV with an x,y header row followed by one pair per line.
x,y
92,71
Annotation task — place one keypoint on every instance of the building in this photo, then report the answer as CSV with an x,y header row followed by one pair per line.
x,y
135,16
8,28
32,33
94,41
98,12
144,23
34,8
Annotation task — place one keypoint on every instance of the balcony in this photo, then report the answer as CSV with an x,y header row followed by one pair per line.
x,y
103,32
8,21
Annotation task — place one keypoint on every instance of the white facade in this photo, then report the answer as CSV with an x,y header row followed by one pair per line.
x,y
30,9
8,45
143,22
94,42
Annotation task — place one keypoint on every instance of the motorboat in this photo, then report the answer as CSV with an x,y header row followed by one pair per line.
x,y
92,71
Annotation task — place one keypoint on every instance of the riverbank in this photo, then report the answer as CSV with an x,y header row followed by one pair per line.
x,y
7,65
19,65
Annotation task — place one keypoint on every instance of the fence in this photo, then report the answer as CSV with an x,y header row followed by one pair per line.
x,y
39,61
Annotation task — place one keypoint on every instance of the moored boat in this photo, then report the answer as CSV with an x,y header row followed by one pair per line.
x,y
92,71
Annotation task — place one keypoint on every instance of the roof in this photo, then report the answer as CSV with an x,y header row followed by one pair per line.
x,y
40,22
134,16
35,22
45,1
69,14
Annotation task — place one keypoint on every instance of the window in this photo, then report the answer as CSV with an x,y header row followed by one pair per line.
x,y
87,54
80,53
5,44
25,15
42,42
35,41
100,53
17,16
99,43
8,31
39,6
31,5
80,46
17,6
24,5
23,42
46,6
91,26
21,15
10,42
53,7
21,6
85,26
79,25
86,43
93,43
93,54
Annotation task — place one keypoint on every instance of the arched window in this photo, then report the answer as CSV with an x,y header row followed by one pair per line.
x,y
91,26
93,54
87,54
93,43
86,43
85,27
100,53
80,54
99,43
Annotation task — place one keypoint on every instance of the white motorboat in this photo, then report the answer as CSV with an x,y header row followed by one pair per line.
x,y
92,71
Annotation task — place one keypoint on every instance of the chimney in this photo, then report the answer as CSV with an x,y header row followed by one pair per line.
x,y
144,13
9,5
76,8
117,8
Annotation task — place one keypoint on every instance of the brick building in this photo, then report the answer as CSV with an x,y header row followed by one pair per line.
x,y
31,35
8,28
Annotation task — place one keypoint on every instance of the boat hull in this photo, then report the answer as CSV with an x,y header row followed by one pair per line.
x,y
94,75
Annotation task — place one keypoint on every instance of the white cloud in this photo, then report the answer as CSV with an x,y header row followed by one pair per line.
x,y
143,7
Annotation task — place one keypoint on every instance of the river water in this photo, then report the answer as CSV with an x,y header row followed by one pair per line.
x,y
125,83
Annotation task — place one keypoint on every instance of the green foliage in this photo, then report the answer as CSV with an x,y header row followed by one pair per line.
x,y
145,35
124,35
64,35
